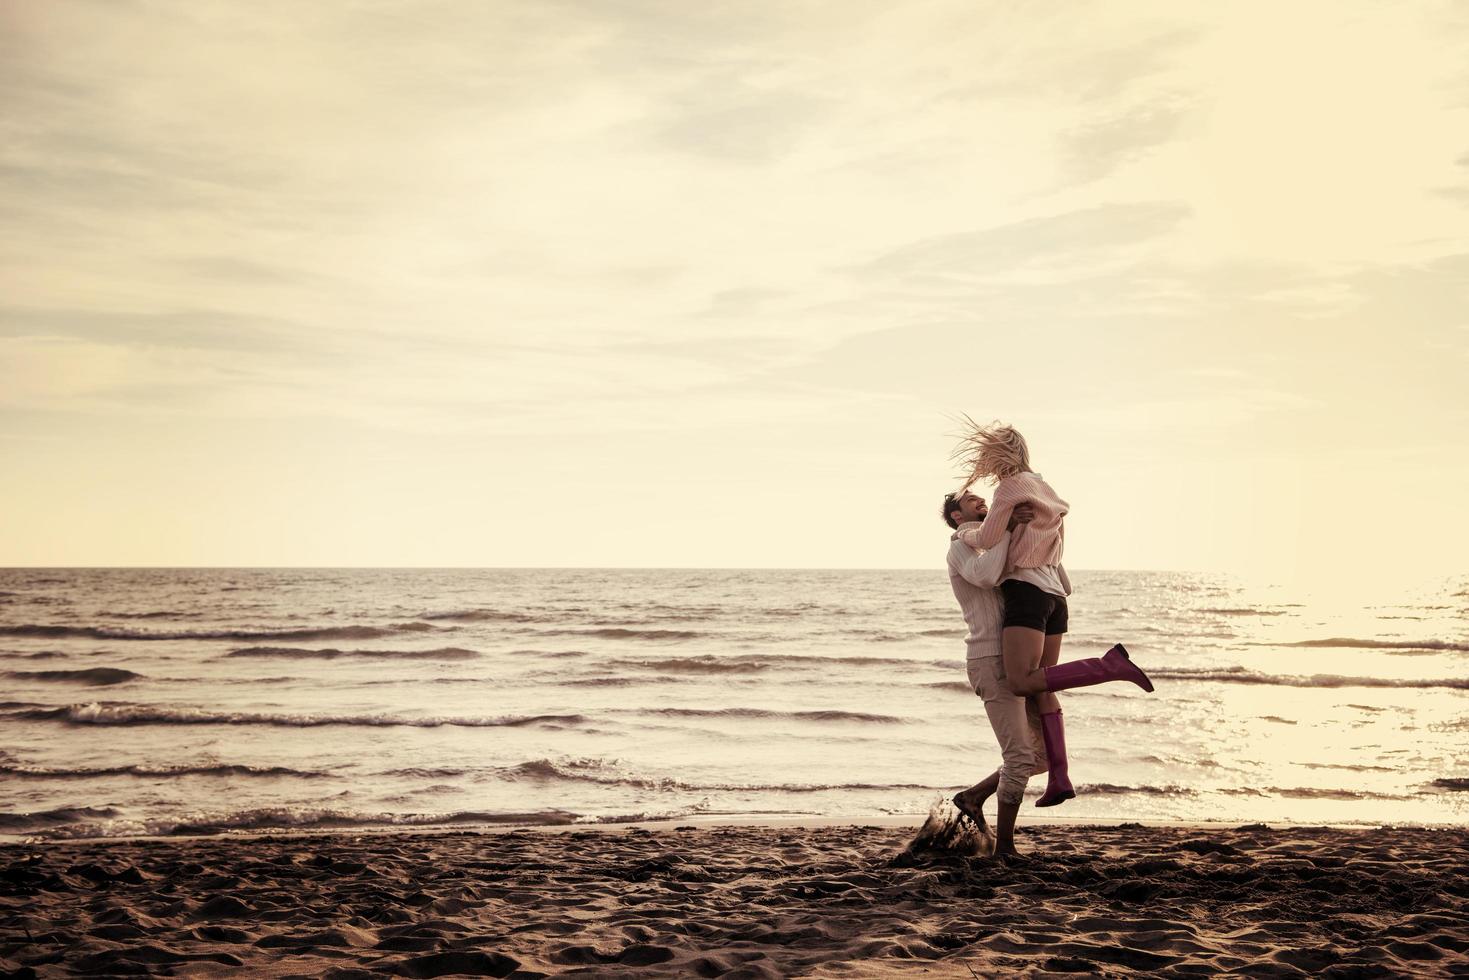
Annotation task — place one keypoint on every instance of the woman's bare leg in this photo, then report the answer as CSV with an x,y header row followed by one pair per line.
x,y
1047,702
1022,649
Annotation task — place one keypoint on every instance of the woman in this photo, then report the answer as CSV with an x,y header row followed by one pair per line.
x,y
1035,588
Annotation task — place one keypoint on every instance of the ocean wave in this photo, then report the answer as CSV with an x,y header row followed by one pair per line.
x,y
614,681
15,822
886,636
1436,646
139,714
299,653
320,633
698,665
159,772
1312,793
93,677
621,633
757,662
606,773
1111,789
1243,612
104,823
595,771
82,823
824,715
1240,675
482,616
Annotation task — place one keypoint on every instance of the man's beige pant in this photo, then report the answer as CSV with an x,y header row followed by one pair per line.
x,y
1017,725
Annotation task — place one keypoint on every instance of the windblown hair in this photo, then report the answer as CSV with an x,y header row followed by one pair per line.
x,y
951,504
992,452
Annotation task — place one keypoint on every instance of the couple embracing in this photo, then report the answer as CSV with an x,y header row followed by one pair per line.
x,y
1005,568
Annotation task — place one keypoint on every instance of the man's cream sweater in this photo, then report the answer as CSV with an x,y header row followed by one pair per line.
x,y
975,577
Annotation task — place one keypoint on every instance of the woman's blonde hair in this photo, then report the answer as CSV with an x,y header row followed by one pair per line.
x,y
992,451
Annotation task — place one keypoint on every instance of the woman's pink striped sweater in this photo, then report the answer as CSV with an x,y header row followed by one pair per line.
x,y
1033,545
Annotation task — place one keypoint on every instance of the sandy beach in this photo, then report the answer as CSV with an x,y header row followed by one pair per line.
x,y
747,901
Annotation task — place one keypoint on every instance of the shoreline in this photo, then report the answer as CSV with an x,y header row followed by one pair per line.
x,y
752,901
886,822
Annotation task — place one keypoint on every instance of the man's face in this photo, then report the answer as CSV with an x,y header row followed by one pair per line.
x,y
972,508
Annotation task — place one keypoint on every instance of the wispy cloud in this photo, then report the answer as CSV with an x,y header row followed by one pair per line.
x,y
707,245
1072,240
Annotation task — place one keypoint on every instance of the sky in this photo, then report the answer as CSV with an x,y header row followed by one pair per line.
x,y
559,283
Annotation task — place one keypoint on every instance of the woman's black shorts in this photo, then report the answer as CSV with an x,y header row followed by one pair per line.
x,y
1033,607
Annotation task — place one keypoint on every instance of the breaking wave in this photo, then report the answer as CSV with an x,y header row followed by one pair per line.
x,y
93,677
1240,675
1437,646
1312,793
961,687
481,616
756,663
160,772
617,681
595,771
1111,789
825,715
299,653
1244,612
137,714
321,633
620,633
13,822
81,823
698,665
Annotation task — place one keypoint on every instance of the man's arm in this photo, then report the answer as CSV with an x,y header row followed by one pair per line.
x,y
973,534
984,569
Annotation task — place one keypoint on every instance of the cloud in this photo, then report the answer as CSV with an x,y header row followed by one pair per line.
x,y
1059,63
1096,149
727,118
540,232
1058,240
217,330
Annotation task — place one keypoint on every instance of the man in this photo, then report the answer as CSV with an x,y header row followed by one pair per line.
x,y
975,577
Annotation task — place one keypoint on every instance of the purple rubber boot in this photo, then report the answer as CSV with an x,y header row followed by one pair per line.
x,y
1058,785
1114,665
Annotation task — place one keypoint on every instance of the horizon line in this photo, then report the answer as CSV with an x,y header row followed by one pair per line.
x,y
564,568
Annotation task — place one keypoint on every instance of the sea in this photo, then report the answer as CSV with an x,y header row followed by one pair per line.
x,y
209,701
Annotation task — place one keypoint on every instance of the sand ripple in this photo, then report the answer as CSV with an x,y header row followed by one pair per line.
x,y
744,902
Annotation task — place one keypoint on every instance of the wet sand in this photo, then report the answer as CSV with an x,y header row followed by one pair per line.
x,y
748,901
